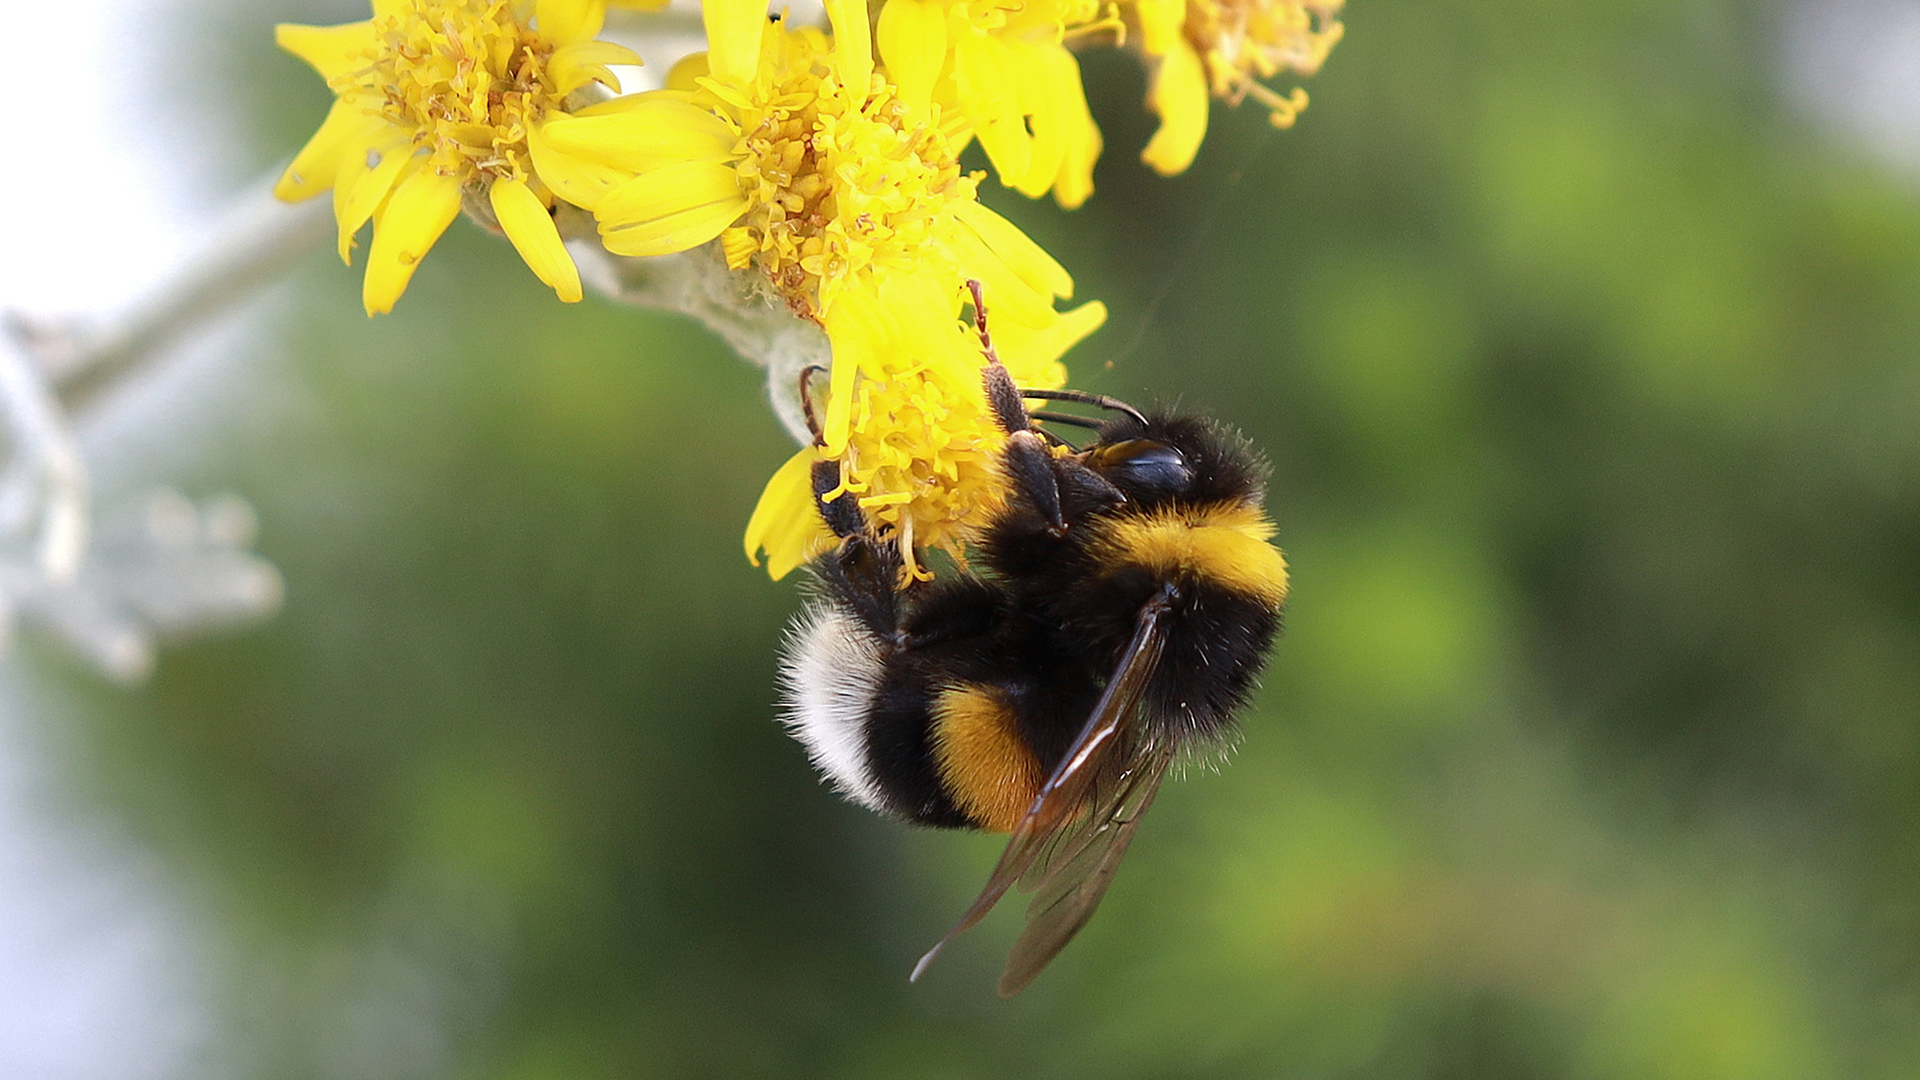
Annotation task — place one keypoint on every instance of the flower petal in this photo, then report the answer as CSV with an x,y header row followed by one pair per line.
x,y
1008,295
417,212
530,227
862,332
1179,95
852,44
1049,114
332,50
647,135
786,522
912,35
630,101
362,184
670,189
988,85
1161,23
1015,248
1029,352
1073,184
568,22
670,209
734,29
574,66
580,181
347,131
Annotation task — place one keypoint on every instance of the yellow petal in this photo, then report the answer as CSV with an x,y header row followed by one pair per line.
x,y
678,231
1050,118
1179,95
1161,25
361,186
578,180
574,66
786,522
734,29
332,50
1074,182
685,75
629,101
347,131
852,44
861,331
530,227
668,190
925,306
1015,248
417,212
989,87
646,135
567,22
1008,296
912,35
1029,351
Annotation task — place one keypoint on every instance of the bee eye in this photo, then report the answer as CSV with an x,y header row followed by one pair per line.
x,y
1143,463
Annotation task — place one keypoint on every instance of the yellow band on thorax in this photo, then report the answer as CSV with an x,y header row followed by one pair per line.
x,y
1223,543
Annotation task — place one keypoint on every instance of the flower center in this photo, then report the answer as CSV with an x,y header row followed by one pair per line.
x,y
838,184
926,475
468,79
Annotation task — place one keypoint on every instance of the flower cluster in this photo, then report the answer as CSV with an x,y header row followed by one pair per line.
x,y
439,106
823,161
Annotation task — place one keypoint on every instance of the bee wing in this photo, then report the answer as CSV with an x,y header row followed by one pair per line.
x,y
1064,800
1073,875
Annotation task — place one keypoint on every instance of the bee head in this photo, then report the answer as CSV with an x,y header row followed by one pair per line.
x,y
1169,457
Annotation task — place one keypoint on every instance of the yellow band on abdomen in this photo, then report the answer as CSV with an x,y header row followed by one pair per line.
x,y
986,767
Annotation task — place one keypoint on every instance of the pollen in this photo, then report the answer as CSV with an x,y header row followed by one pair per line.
x,y
838,184
922,459
467,78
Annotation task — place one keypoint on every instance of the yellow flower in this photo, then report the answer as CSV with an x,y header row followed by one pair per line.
x,y
1003,71
1226,48
811,167
439,105
922,449
806,165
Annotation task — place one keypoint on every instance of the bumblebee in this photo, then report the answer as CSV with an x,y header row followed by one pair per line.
x,y
1129,600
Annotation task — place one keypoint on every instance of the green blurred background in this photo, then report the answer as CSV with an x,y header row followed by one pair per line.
x,y
1590,371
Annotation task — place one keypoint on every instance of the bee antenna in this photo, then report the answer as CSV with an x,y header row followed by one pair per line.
x,y
1099,401
1058,418
806,401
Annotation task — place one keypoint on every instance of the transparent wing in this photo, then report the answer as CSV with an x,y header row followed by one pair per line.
x,y
1067,799
1070,878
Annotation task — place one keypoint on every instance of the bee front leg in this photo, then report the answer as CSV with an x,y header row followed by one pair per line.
x,y
862,573
1028,463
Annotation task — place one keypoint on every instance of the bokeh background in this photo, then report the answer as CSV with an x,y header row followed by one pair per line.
x,y
1585,340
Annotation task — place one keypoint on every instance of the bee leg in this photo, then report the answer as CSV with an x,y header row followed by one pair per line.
x,y
861,573
1031,469
806,401
1028,463
842,514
